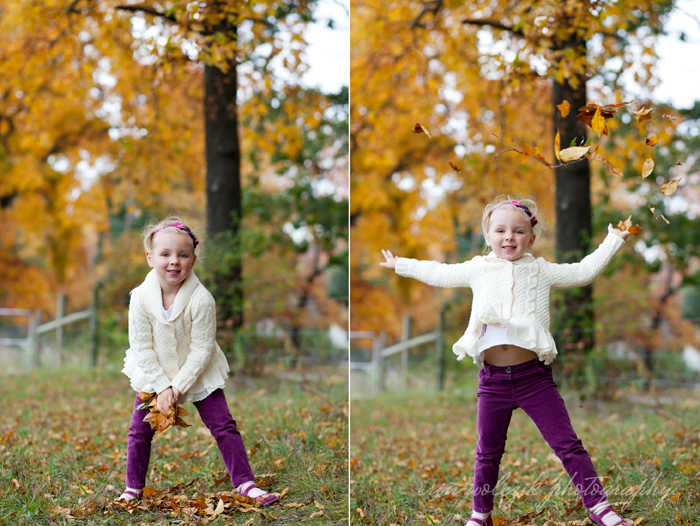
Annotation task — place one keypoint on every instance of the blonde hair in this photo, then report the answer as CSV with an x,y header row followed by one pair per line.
x,y
167,225
506,201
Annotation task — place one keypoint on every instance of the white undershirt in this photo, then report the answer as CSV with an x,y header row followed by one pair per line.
x,y
493,335
167,313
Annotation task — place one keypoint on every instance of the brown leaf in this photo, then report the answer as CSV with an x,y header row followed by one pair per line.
x,y
316,515
672,118
564,108
653,211
642,115
573,153
598,121
610,168
622,226
664,218
647,168
360,513
652,141
421,129
557,146
679,163
569,511
670,187
635,230
586,114
454,167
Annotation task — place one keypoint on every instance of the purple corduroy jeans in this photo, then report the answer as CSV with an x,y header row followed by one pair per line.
x,y
529,386
215,415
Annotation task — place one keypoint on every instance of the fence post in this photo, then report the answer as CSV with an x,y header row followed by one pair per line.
x,y
382,361
93,326
37,342
60,312
405,336
440,350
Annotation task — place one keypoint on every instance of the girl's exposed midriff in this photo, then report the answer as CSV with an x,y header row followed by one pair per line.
x,y
508,355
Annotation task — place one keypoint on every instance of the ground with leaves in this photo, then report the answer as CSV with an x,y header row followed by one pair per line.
x,y
63,446
412,462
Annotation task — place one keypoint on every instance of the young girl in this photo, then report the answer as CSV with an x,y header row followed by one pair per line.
x,y
508,333
172,333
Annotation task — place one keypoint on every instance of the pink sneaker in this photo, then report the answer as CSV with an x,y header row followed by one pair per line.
x,y
130,494
597,518
265,499
473,521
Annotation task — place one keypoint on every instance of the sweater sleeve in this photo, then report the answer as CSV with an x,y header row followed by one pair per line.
x,y
567,275
141,343
436,274
202,345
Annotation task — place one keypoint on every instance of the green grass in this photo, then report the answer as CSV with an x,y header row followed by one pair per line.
x,y
412,461
63,446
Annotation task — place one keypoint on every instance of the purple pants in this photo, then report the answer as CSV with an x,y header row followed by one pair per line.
x,y
530,386
215,415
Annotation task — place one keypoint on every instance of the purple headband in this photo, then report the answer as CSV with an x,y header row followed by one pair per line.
x,y
533,219
179,226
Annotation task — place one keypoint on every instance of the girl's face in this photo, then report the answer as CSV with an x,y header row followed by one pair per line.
x,y
510,233
172,258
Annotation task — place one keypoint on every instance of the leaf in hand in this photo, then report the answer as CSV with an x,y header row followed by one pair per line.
x,y
421,129
670,187
573,153
161,422
623,226
454,167
652,141
564,108
643,114
647,168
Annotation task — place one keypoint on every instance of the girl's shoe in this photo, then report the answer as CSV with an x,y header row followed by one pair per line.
x,y
597,518
264,498
473,521
131,494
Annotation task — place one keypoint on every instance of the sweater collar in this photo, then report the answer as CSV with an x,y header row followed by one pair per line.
x,y
154,296
526,259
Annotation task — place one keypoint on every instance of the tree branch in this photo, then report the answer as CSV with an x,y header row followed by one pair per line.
x,y
432,7
148,10
494,24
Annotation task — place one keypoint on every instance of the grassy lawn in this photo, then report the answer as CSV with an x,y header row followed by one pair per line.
x,y
63,448
412,461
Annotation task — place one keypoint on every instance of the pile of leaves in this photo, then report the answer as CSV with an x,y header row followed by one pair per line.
x,y
158,420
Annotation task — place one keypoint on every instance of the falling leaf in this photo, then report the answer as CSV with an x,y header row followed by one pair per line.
x,y
635,230
421,129
586,114
679,163
571,154
642,115
664,218
609,167
652,141
557,145
598,121
564,108
672,118
653,211
647,168
622,226
454,167
670,187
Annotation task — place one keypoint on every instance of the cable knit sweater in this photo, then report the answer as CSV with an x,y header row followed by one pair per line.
x,y
180,352
514,295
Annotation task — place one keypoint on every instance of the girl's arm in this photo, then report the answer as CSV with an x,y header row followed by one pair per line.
x,y
567,275
431,272
141,342
202,345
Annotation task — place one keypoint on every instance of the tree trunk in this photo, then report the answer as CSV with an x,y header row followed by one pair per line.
x,y
223,185
574,311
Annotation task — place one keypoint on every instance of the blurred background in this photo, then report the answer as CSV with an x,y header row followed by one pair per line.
x,y
473,73
234,117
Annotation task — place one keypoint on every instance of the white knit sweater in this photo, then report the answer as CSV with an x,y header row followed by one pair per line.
x,y
181,352
514,295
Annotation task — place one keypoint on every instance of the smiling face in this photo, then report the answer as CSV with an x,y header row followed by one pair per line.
x,y
510,233
172,258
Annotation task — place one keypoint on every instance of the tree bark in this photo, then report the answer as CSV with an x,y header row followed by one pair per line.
x,y
574,316
223,183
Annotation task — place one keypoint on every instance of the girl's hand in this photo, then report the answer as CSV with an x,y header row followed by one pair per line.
x,y
612,230
390,259
177,394
165,400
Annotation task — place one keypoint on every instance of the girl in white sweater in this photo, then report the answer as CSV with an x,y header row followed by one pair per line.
x,y
508,333
172,333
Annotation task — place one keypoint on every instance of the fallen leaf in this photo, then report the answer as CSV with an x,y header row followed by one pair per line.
x,y
670,187
454,167
573,153
647,168
667,221
652,141
421,129
280,461
319,505
16,483
293,505
638,521
557,146
249,522
642,115
360,513
564,108
316,515
635,230
598,121
284,492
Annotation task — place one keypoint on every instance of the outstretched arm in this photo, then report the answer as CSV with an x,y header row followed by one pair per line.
x,y
430,272
567,275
